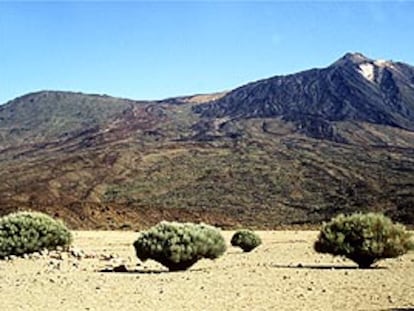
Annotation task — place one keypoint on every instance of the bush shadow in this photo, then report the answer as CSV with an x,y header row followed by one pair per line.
x,y
143,271
325,267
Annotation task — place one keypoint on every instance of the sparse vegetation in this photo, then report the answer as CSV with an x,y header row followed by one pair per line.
x,y
178,246
258,172
27,232
247,240
364,238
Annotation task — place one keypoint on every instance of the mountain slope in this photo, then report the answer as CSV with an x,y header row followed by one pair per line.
x,y
354,88
289,150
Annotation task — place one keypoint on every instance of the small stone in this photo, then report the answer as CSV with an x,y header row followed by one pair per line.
x,y
57,256
117,262
35,255
59,248
44,252
108,256
77,253
54,264
90,256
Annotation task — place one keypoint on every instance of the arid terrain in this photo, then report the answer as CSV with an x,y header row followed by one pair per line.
x,y
288,150
284,273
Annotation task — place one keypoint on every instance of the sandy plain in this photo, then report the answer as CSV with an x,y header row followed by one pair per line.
x,y
284,273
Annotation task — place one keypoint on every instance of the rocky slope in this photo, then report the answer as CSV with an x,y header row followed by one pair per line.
x,y
289,150
354,88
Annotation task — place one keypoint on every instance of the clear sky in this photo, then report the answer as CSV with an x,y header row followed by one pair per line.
x,y
153,50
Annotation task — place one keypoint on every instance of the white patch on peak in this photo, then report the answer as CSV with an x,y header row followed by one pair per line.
x,y
383,63
367,71
380,62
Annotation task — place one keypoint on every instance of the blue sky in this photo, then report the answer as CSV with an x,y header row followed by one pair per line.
x,y
153,50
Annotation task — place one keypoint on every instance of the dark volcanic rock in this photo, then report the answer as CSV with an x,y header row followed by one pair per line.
x,y
354,88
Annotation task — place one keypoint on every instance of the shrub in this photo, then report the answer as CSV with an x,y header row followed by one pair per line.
x,y
178,246
363,238
247,240
28,232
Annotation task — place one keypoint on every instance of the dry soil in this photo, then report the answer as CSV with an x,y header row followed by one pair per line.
x,y
284,273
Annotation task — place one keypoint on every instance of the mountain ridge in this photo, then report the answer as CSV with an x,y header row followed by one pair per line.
x,y
315,98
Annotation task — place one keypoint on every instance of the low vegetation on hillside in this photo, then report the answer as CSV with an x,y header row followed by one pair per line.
x,y
289,150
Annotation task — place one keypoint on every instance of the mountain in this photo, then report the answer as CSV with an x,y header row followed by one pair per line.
x,y
354,88
289,150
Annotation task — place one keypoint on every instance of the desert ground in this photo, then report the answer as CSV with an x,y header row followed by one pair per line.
x,y
284,273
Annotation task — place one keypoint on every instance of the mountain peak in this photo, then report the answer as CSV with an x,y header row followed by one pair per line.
x,y
353,58
355,88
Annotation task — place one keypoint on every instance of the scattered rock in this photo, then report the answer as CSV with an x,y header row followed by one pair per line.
x,y
44,252
59,249
35,255
77,253
108,256
90,256
56,255
119,268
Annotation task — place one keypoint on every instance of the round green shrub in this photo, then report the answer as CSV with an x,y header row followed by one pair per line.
x,y
247,240
28,232
178,246
363,238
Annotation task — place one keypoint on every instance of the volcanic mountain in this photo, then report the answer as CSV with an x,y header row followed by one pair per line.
x,y
354,88
289,150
